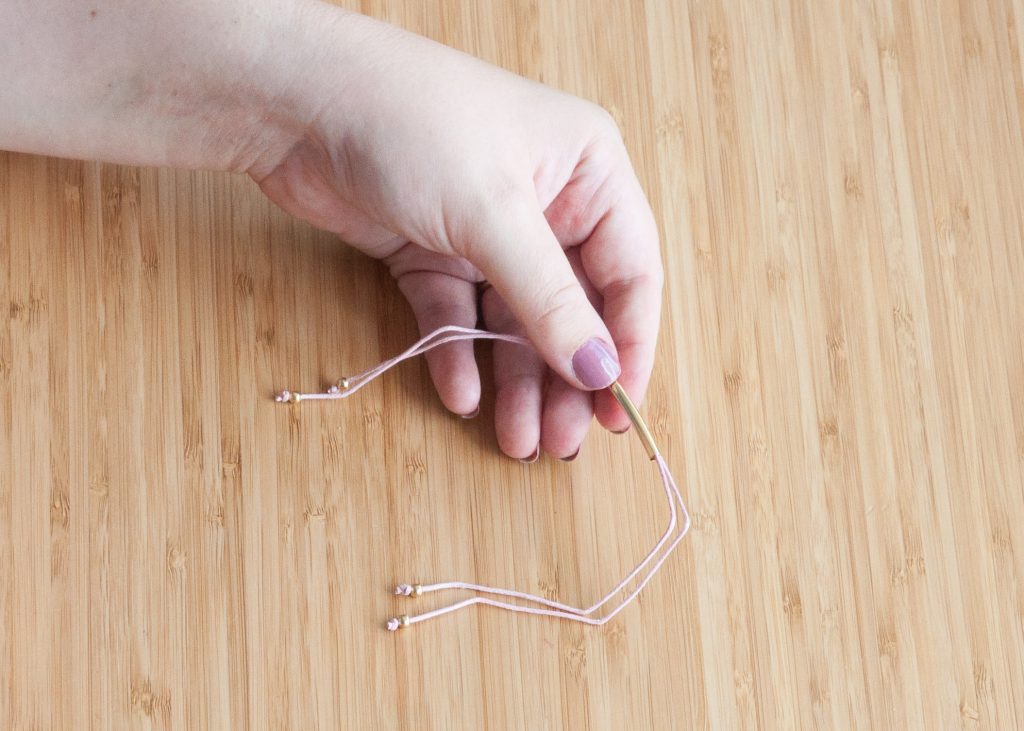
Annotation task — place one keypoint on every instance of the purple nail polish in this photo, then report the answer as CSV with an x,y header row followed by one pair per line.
x,y
595,365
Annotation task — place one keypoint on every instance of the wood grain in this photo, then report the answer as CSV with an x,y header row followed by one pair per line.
x,y
840,386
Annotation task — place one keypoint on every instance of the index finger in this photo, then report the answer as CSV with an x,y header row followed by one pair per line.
x,y
622,259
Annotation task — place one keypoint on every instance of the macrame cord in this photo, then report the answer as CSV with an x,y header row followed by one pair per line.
x,y
639,576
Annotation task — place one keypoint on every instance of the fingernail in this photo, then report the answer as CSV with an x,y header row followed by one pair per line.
x,y
472,414
621,431
572,456
533,457
595,365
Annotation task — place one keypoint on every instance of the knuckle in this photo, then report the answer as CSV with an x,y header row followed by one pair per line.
x,y
557,304
605,122
646,285
502,187
486,206
442,311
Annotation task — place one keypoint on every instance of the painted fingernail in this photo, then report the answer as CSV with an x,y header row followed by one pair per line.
x,y
533,457
472,414
595,365
572,456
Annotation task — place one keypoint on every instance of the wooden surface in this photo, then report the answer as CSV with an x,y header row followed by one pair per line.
x,y
840,388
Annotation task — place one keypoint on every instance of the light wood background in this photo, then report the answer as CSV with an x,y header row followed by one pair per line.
x,y
840,388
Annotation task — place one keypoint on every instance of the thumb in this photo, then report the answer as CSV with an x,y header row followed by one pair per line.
x,y
513,247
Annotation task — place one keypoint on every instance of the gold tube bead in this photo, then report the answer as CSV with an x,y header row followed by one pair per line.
x,y
634,416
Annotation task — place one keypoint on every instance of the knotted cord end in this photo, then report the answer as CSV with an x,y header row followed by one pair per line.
x,y
408,590
343,384
396,623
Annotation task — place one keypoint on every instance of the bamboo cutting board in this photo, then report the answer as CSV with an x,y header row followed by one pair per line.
x,y
840,389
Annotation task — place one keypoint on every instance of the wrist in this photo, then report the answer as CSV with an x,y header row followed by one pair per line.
x,y
311,74
188,84
243,98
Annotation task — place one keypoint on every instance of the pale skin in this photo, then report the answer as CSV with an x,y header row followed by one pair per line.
x,y
449,170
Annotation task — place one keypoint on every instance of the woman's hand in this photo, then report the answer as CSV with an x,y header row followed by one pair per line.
x,y
456,173
450,170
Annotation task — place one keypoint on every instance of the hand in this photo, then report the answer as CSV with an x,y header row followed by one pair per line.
x,y
454,172
450,170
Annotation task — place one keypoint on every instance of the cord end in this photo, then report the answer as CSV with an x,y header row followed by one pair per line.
x,y
396,623
288,397
408,590
342,385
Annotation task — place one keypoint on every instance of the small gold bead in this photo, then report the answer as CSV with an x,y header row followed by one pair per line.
x,y
343,384
296,397
417,589
403,620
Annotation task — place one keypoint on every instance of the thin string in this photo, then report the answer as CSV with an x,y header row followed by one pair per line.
x,y
671,492
443,335
563,611
451,333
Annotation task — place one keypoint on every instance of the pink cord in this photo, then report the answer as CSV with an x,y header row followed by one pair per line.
x,y
450,334
441,336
